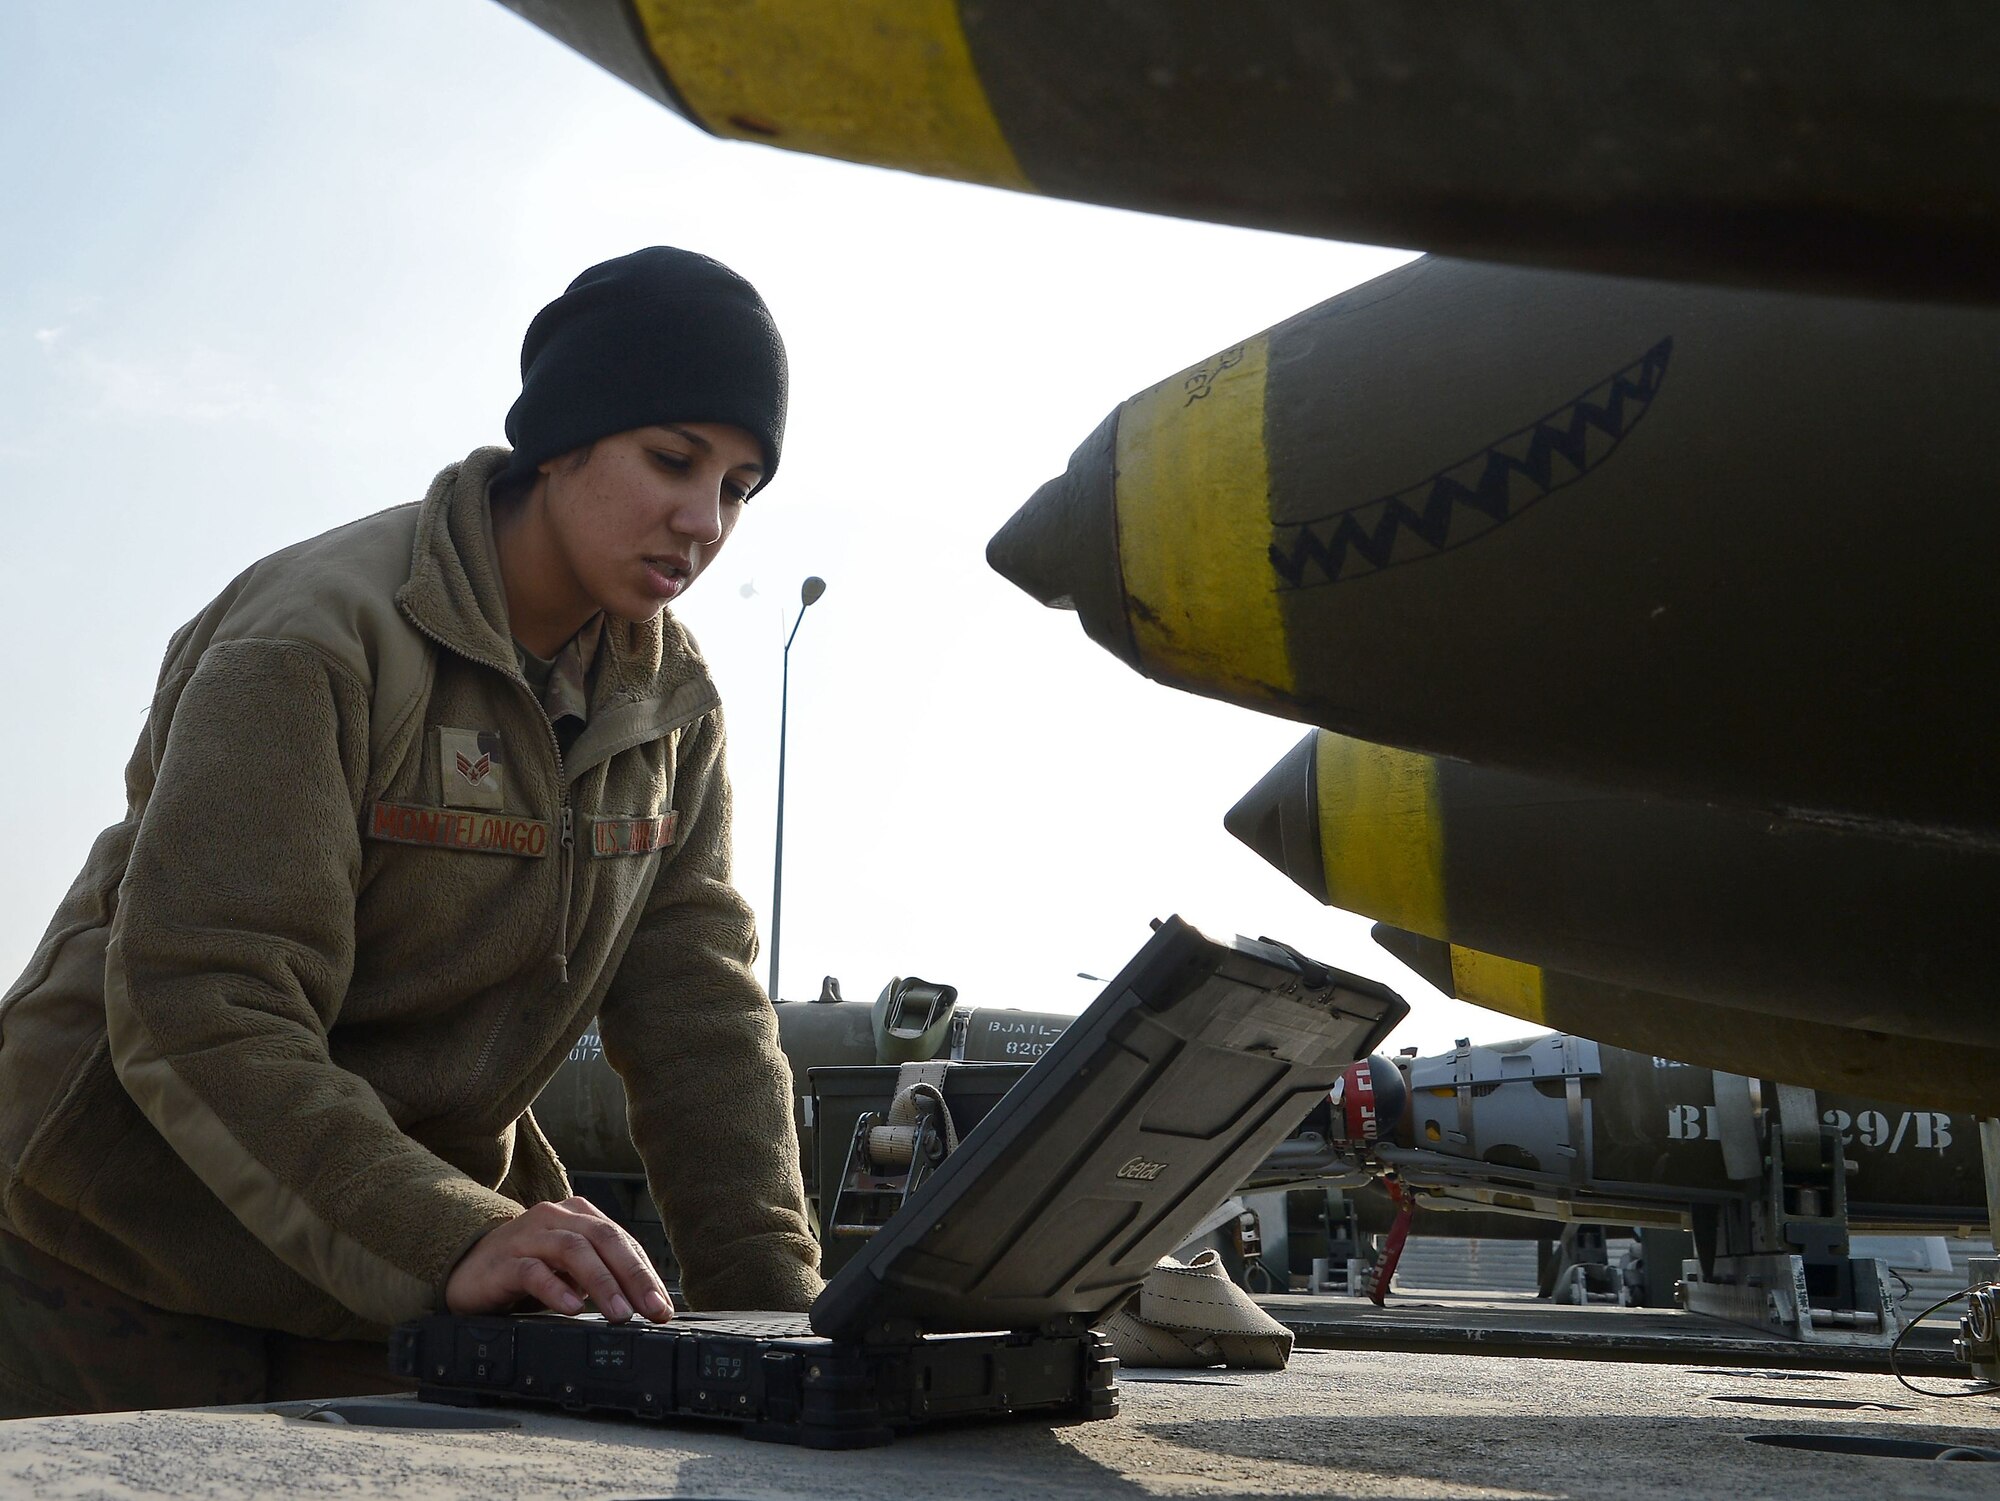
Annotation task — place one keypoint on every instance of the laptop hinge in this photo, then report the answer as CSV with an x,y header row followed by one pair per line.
x,y
892,1331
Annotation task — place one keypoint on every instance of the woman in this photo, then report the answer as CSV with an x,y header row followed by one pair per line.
x,y
416,800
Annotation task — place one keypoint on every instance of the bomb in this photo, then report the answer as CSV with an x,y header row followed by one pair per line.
x,y
1599,1131
1844,1060
1857,930
1725,546
1842,146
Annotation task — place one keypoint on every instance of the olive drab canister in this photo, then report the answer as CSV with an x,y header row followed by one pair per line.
x,y
1729,546
1786,144
1581,1124
583,1108
1860,930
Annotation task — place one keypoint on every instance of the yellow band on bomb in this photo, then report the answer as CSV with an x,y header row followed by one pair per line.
x,y
1380,833
1194,529
886,82
1499,984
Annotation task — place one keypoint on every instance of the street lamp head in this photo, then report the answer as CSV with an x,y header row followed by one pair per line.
x,y
811,590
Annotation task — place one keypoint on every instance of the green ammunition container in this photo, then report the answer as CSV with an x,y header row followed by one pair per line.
x,y
841,1096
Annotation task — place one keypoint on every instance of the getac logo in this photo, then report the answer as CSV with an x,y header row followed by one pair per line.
x,y
1142,1170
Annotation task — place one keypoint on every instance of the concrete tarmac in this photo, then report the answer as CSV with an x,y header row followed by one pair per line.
x,y
1346,1423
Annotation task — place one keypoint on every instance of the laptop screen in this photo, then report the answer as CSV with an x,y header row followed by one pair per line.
x,y
1150,1110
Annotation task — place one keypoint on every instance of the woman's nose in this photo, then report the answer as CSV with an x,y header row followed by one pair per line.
x,y
698,515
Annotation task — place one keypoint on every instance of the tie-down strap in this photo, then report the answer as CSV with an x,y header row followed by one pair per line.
x,y
919,1093
1191,1314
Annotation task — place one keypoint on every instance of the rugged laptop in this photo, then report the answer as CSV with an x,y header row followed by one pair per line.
x,y
977,1298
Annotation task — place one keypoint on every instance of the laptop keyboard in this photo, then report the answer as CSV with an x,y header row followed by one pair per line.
x,y
748,1325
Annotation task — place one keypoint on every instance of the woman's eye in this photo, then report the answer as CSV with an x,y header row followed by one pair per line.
x,y
667,459
739,493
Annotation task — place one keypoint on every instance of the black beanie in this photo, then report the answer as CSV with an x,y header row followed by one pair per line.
x,y
660,335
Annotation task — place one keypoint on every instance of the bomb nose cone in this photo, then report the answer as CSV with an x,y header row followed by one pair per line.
x,y
1062,546
1033,551
1279,818
1429,957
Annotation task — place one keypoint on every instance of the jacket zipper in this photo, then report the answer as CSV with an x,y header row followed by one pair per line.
x,y
565,836
565,820
568,882
565,824
566,828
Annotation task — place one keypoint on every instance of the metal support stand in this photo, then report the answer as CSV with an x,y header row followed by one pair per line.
x,y
1978,1342
1783,1264
1774,1293
1989,1154
1580,1270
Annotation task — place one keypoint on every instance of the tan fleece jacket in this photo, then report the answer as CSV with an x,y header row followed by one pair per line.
x,y
273,1059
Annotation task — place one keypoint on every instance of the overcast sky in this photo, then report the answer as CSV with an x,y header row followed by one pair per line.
x,y
265,266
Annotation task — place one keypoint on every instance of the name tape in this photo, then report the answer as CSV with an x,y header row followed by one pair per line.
x,y
451,829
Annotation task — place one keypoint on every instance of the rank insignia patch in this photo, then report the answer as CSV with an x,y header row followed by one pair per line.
x,y
471,769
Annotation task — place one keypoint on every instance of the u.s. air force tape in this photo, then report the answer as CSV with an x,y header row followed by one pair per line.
x,y
454,829
632,836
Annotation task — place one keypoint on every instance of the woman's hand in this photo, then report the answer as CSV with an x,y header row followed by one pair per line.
x,y
558,1254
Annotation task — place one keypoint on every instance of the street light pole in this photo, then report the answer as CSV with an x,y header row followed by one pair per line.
x,y
809,591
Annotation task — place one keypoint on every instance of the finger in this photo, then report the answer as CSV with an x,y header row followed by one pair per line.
x,y
538,1280
637,1280
628,1263
575,1254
